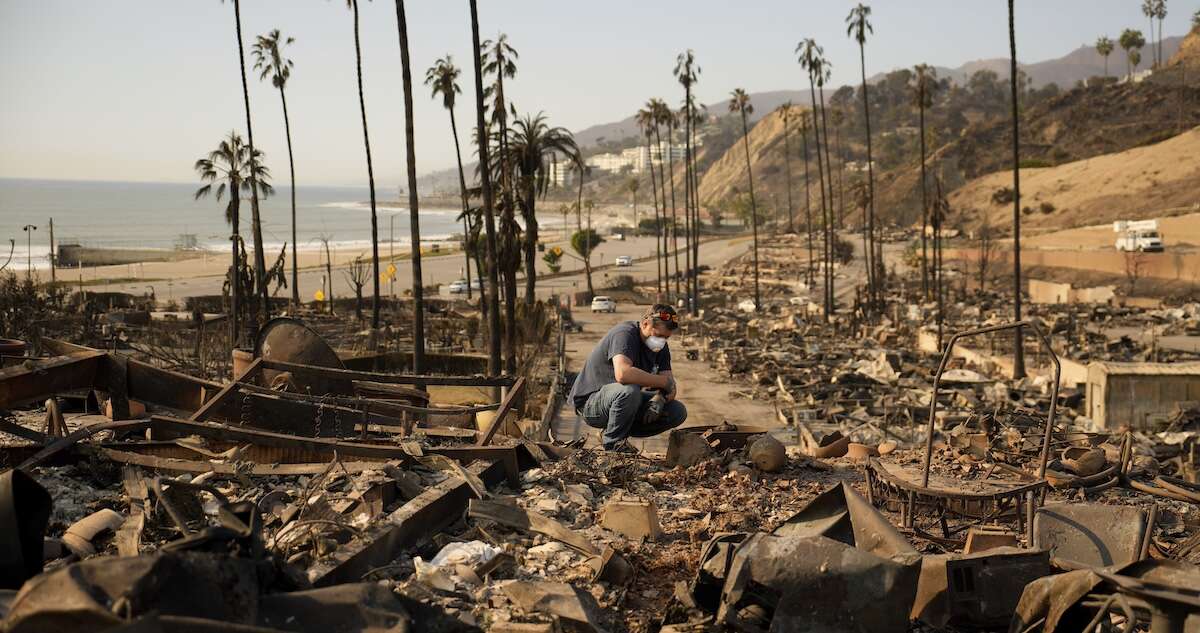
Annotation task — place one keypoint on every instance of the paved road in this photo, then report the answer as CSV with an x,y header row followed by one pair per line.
x,y
447,268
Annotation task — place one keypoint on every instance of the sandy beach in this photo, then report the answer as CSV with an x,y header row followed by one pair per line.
x,y
203,275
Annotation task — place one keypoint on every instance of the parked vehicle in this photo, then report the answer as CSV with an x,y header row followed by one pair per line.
x,y
1140,235
459,286
624,261
603,304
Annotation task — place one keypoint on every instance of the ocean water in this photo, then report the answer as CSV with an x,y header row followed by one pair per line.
x,y
155,215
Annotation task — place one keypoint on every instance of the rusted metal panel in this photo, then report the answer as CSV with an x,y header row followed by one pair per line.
x,y
1091,534
983,589
36,380
414,522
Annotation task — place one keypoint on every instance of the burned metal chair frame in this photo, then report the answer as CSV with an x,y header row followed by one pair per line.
x,y
886,488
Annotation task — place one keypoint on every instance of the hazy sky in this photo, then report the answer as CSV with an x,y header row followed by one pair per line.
x,y
138,89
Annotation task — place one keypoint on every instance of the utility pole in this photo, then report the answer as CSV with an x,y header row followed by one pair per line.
x,y
29,229
53,255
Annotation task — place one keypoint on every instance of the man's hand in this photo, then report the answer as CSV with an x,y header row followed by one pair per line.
x,y
671,391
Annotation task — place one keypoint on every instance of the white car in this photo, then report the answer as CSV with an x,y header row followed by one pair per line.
x,y
603,304
459,287
624,261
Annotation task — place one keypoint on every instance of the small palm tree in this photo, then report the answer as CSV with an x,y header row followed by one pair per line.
x,y
442,78
485,179
647,120
687,73
1160,12
1104,46
739,102
499,60
667,118
804,127
1131,41
227,169
812,61
270,62
664,116
533,143
414,215
785,112
858,26
923,79
1149,10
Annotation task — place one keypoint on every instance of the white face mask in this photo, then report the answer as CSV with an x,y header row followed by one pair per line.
x,y
656,343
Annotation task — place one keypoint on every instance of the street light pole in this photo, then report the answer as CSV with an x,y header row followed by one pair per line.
x,y
29,229
392,253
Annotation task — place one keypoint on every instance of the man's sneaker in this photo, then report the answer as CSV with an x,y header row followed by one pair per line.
x,y
622,447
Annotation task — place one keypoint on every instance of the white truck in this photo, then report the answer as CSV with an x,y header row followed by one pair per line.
x,y
1138,235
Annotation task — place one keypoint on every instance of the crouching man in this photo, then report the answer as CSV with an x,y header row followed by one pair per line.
x,y
626,386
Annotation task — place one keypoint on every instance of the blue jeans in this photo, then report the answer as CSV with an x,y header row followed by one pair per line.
x,y
618,409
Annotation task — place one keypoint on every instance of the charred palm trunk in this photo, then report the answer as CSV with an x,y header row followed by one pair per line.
x,y
674,229
235,270
787,166
1019,349
256,223
807,206
466,203
654,194
924,198
816,128
693,183
689,202
362,106
509,244
414,216
830,242
873,277
287,128
753,207
531,233
493,289
663,230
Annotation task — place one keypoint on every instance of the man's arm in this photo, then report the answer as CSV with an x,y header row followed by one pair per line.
x,y
627,374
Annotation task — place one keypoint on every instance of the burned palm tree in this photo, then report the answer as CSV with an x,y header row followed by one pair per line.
x,y
270,62
739,102
442,78
228,169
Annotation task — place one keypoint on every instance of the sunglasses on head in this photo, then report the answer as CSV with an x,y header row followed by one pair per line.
x,y
672,320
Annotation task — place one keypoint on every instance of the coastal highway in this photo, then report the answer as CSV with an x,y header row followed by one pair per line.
x,y
444,269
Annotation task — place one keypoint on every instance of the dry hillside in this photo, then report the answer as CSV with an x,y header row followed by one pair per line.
x,y
1079,124
1144,182
727,175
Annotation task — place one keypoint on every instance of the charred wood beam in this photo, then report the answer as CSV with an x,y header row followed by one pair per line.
x,y
347,374
413,523
36,380
518,390
227,391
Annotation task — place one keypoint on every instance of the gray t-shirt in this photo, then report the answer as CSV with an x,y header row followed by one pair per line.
x,y
625,339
